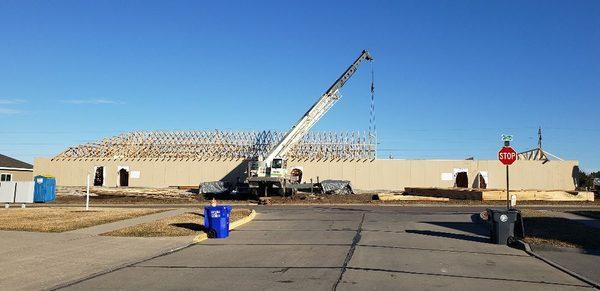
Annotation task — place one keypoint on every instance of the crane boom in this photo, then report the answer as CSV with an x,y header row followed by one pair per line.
x,y
310,118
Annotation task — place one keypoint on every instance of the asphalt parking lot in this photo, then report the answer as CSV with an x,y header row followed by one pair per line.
x,y
345,248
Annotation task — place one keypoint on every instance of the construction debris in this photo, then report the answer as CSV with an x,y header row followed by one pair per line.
x,y
264,201
215,187
336,187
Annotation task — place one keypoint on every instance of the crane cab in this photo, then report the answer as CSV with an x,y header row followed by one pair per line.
x,y
276,168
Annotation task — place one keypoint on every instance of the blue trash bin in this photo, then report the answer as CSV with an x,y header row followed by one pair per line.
x,y
44,189
216,220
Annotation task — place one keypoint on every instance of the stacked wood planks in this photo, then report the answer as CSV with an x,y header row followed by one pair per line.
x,y
400,197
499,194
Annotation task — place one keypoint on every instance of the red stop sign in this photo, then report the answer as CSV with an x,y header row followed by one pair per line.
x,y
507,155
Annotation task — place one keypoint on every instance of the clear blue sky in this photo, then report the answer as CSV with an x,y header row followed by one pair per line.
x,y
451,76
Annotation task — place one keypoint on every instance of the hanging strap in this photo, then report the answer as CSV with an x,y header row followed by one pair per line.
x,y
372,124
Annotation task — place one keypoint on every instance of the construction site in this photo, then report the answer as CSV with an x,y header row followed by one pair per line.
x,y
266,163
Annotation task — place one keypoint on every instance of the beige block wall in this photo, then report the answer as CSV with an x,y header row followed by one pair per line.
x,y
19,175
365,175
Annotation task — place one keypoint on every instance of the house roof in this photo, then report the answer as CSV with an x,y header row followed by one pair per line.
x,y
8,162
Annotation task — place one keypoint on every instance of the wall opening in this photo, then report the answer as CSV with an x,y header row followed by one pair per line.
x,y
99,176
123,178
462,180
480,182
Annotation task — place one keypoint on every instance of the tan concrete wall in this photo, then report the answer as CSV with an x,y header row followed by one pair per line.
x,y
19,175
368,175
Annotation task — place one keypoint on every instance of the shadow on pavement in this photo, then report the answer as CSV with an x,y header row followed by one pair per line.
x,y
190,226
480,231
449,235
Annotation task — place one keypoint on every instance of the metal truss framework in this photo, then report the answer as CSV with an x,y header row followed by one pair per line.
x,y
537,154
216,144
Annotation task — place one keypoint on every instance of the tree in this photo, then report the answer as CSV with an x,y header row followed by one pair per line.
x,y
585,180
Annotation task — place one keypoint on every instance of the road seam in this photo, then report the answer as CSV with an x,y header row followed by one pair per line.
x,y
527,248
127,265
123,266
350,253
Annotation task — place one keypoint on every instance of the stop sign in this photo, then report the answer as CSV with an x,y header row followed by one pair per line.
x,y
507,155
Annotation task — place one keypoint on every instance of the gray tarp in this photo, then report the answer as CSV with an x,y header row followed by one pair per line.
x,y
597,182
336,187
215,187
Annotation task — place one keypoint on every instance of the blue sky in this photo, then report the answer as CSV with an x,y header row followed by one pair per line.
x,y
451,76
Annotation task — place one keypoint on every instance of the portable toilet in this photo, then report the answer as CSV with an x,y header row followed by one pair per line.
x,y
44,189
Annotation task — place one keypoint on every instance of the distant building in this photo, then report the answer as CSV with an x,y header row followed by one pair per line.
x,y
14,170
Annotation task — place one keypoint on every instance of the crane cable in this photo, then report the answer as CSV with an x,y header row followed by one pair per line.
x,y
372,125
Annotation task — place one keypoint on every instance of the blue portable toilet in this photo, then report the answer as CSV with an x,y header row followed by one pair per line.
x,y
216,220
44,189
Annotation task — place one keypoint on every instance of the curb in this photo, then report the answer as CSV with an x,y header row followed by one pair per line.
x,y
232,226
527,248
441,204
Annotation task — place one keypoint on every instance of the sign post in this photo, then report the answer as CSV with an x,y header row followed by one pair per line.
x,y
507,156
87,195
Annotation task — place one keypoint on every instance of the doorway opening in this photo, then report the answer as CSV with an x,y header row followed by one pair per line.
x,y
123,178
99,176
480,180
462,180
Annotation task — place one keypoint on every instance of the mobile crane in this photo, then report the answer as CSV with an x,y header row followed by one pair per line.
x,y
271,171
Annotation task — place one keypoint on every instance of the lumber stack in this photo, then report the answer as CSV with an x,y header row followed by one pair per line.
x,y
157,193
401,197
499,194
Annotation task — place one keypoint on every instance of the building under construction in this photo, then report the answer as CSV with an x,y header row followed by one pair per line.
x,y
266,159
187,158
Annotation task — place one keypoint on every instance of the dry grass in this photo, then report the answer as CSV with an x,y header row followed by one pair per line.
x,y
48,219
186,224
546,228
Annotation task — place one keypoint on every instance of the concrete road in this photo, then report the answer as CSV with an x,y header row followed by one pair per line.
x,y
35,261
345,248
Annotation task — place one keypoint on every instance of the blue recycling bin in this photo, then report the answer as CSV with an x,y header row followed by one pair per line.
x,y
44,189
216,220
